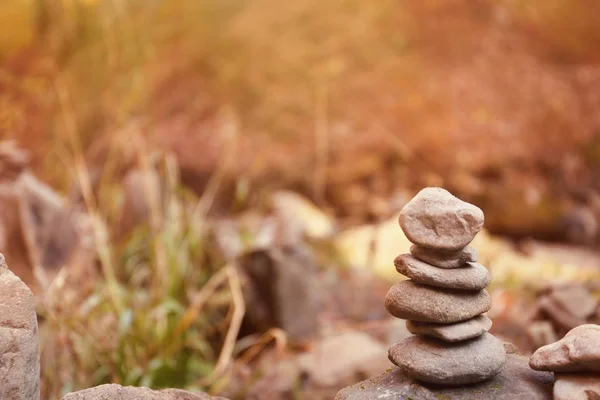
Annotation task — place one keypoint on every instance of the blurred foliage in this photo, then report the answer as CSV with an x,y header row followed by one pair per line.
x,y
158,316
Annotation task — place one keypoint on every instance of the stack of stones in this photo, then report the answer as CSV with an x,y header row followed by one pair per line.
x,y
444,300
575,361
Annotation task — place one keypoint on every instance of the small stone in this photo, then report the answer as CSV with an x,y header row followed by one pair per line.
x,y
578,351
412,301
452,332
436,219
433,361
444,259
577,387
472,276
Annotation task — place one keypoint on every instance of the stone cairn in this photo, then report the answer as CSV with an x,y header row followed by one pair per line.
x,y
444,301
575,361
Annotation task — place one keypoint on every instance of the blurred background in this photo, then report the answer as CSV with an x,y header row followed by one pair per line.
x,y
203,193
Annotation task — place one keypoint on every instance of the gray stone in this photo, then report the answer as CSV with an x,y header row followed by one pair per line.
x,y
412,301
19,348
118,392
279,282
515,381
577,387
437,362
452,332
444,259
436,219
578,351
472,276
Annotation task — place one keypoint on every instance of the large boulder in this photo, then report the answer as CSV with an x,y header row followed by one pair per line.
x,y
515,381
19,347
118,392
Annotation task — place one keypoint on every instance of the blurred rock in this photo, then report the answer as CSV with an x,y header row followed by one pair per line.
x,y
339,360
374,247
515,381
541,333
299,214
39,233
567,305
118,392
281,290
19,344
143,199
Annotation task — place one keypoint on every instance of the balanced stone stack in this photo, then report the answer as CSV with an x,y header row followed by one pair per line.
x,y
575,361
444,300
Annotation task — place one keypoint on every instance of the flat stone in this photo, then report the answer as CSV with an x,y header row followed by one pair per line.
x,y
437,362
416,302
444,259
452,332
472,276
515,381
577,387
118,392
578,351
436,219
19,348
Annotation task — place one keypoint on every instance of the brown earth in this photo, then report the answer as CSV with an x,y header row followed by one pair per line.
x,y
495,102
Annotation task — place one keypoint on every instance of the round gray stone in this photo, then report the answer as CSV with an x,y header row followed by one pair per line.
x,y
452,332
515,381
471,276
463,363
436,219
444,259
412,301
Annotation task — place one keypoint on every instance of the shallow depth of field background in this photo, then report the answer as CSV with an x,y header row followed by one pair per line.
x,y
185,134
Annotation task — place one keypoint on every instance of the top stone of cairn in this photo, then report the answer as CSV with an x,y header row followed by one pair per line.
x,y
435,219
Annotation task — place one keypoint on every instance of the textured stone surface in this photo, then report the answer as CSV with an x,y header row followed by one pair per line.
x,y
436,219
472,276
433,361
515,381
19,348
118,392
412,301
444,259
452,332
578,351
577,387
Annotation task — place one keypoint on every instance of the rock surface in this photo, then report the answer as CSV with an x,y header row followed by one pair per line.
x,y
578,351
471,276
118,392
433,361
436,219
452,332
281,281
577,387
444,259
409,300
515,381
19,349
